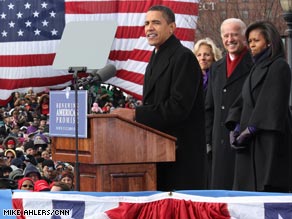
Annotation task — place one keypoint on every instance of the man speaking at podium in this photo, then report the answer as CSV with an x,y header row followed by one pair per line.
x,y
173,102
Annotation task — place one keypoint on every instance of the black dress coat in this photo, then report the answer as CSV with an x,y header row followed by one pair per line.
x,y
173,103
265,165
221,93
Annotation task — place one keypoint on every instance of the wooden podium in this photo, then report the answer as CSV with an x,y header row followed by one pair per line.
x,y
119,155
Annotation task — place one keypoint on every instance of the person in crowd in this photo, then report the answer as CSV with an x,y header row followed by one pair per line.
x,y
225,83
41,186
6,128
206,52
49,171
17,163
6,170
173,102
68,178
45,155
44,105
10,142
16,174
32,172
26,183
40,142
29,148
59,186
10,155
6,183
260,119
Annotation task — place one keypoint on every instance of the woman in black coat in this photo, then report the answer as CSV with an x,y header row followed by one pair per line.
x,y
260,119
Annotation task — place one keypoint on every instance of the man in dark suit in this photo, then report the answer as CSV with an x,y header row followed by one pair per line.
x,y
173,102
225,83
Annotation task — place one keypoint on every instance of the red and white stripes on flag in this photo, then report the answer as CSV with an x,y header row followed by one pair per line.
x,y
25,64
224,205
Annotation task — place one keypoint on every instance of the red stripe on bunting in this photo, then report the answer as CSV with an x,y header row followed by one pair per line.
x,y
127,7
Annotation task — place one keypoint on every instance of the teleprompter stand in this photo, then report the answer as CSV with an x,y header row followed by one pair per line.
x,y
75,71
82,44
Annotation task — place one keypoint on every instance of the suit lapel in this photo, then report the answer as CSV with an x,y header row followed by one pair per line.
x,y
241,69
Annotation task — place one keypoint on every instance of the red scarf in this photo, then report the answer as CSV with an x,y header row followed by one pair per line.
x,y
231,64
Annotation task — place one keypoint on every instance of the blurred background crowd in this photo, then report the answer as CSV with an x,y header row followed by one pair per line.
x,y
26,160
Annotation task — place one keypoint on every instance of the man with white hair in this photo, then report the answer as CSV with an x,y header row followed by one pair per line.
x,y
225,83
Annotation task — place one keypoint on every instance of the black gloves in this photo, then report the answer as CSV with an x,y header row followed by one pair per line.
x,y
242,140
245,137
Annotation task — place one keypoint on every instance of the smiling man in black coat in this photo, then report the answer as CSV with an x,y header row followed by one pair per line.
x,y
173,102
225,83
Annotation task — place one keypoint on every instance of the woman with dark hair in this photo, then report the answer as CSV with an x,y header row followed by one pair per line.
x,y
260,119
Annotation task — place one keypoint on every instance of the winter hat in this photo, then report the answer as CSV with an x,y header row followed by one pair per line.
x,y
6,183
41,185
28,145
40,139
10,150
31,169
16,174
67,173
18,162
10,141
6,168
31,129
20,182
48,163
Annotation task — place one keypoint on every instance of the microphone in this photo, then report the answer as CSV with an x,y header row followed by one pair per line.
x,y
100,75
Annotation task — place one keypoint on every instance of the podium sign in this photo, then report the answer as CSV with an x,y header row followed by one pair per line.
x,y
62,114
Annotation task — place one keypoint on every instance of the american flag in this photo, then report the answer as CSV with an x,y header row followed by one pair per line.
x,y
30,31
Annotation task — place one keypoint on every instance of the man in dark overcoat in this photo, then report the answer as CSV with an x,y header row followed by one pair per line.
x,y
225,83
173,102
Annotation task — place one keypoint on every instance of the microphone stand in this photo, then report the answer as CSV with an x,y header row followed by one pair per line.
x,y
75,71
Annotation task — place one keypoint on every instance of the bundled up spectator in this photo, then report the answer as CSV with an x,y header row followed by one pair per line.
x,y
43,106
17,163
59,186
32,172
40,142
10,142
29,159
49,172
6,170
9,155
29,148
16,174
45,155
26,183
41,186
6,183
44,126
68,178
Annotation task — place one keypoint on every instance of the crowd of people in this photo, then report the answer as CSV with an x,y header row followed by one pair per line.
x,y
26,160
230,113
